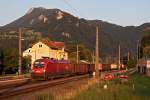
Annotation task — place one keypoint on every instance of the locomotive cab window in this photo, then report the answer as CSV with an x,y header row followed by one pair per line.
x,y
39,64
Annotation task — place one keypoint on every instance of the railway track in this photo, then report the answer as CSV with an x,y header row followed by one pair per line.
x,y
131,71
5,78
29,86
13,91
13,83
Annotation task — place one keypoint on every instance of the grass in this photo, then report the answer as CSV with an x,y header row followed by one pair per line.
x,y
137,88
142,85
44,97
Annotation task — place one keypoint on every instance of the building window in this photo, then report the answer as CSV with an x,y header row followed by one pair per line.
x,y
40,46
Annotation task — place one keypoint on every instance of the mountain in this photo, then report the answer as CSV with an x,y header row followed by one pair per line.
x,y
62,26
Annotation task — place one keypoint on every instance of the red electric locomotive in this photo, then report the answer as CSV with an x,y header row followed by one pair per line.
x,y
49,68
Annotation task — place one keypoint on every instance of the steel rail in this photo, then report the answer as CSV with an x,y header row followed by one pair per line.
x,y
37,86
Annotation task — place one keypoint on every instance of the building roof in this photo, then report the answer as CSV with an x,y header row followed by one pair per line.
x,y
147,47
53,44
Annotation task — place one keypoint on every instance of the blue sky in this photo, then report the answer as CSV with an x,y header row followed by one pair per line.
x,y
121,12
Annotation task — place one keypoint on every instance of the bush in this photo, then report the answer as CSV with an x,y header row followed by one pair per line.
x,y
131,63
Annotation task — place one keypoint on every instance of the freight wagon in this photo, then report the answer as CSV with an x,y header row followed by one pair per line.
x,y
110,67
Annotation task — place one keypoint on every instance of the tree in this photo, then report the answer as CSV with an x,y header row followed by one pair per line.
x,y
145,43
1,61
146,51
131,63
9,60
84,53
26,64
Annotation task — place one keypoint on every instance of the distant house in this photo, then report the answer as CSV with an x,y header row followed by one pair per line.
x,y
46,49
143,66
147,51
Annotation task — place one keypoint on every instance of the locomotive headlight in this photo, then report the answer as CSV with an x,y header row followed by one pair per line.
x,y
44,70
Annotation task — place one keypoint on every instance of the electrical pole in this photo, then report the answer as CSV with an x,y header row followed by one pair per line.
x,y
97,52
128,56
137,55
139,45
119,57
77,54
20,53
93,57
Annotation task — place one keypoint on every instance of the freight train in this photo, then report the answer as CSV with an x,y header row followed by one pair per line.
x,y
50,68
110,67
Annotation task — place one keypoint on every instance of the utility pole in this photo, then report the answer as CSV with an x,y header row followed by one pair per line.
x,y
77,54
139,45
20,53
119,57
128,56
93,57
137,55
97,52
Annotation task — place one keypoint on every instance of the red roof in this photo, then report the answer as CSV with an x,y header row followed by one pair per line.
x,y
147,47
53,44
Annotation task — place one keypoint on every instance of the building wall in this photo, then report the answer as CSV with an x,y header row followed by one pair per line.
x,y
37,51
61,55
148,71
144,66
40,50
